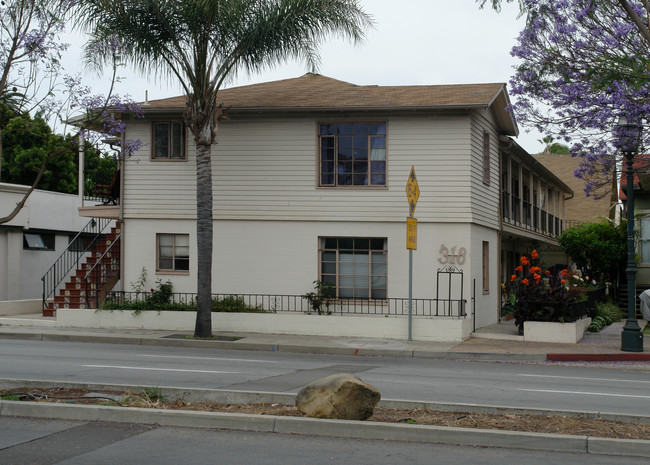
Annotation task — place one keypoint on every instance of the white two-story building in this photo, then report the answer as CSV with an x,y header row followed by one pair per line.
x,y
309,179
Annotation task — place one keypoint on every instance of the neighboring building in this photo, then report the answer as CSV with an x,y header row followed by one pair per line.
x,y
579,208
309,179
534,205
33,240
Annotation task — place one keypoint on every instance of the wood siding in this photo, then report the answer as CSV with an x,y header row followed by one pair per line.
x,y
485,196
267,169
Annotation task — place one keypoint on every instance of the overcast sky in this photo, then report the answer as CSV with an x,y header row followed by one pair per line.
x,y
413,42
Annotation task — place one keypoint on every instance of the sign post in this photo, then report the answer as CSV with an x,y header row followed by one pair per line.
x,y
412,194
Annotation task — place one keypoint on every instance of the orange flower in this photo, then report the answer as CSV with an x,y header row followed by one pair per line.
x,y
519,268
564,272
525,281
563,281
513,277
534,255
537,277
524,260
548,273
535,269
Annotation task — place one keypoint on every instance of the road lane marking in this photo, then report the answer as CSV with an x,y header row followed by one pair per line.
x,y
584,393
208,358
587,379
162,369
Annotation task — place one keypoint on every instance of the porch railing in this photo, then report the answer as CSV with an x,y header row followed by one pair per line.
x,y
294,303
82,244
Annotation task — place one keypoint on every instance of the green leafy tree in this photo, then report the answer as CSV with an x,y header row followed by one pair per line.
x,y
202,44
30,145
598,249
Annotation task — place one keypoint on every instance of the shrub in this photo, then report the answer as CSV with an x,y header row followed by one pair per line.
x,y
606,313
234,303
598,249
541,296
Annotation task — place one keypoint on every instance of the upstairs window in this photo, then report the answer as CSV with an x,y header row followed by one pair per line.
x,y
486,157
352,154
168,140
355,266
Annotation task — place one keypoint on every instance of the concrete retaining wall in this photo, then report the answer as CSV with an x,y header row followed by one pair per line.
x,y
438,329
20,307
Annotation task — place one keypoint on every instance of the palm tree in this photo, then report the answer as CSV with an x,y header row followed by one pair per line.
x,y
203,43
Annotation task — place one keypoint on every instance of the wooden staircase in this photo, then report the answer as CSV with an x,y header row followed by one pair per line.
x,y
88,285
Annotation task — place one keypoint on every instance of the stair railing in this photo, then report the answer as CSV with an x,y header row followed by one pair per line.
x,y
105,266
71,256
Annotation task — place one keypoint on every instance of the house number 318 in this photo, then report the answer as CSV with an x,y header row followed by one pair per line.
x,y
450,256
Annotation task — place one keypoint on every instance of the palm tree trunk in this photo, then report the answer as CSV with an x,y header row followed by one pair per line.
x,y
204,228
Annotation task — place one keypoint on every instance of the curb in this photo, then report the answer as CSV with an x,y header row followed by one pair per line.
x,y
331,428
630,357
257,346
242,397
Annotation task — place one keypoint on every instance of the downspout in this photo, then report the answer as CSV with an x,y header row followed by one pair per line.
x,y
122,165
82,163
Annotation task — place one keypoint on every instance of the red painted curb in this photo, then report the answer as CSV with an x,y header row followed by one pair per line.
x,y
631,357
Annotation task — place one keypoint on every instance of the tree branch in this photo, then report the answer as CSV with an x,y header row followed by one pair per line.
x,y
636,19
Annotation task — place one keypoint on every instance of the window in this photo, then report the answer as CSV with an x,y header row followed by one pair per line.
x,y
173,252
486,267
352,154
486,157
168,140
645,239
355,267
38,241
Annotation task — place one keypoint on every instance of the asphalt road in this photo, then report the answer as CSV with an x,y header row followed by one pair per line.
x,y
507,384
26,441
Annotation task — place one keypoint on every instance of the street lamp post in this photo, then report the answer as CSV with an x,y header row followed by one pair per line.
x,y
629,134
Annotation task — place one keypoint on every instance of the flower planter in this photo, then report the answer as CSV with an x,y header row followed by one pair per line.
x,y
562,333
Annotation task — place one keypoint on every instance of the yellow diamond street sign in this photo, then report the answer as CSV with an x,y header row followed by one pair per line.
x,y
412,191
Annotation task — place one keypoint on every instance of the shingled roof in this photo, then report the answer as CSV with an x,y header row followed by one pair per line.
x,y
316,92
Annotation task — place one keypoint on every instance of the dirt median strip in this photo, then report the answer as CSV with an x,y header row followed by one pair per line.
x,y
416,414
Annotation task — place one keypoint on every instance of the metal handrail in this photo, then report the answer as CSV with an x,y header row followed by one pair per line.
x,y
100,276
69,258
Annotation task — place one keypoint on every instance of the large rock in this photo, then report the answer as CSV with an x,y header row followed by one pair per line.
x,y
341,396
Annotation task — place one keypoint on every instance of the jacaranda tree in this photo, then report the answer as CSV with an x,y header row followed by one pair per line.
x,y
583,63
203,43
37,98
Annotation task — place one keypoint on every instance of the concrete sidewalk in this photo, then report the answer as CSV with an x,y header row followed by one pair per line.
x,y
496,342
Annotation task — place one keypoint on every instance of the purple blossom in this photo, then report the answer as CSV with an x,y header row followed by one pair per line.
x,y
582,65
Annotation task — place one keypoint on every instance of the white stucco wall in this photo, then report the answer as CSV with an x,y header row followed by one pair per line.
x,y
20,269
281,257
424,329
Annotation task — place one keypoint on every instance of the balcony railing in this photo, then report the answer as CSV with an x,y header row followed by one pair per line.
x,y
529,216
